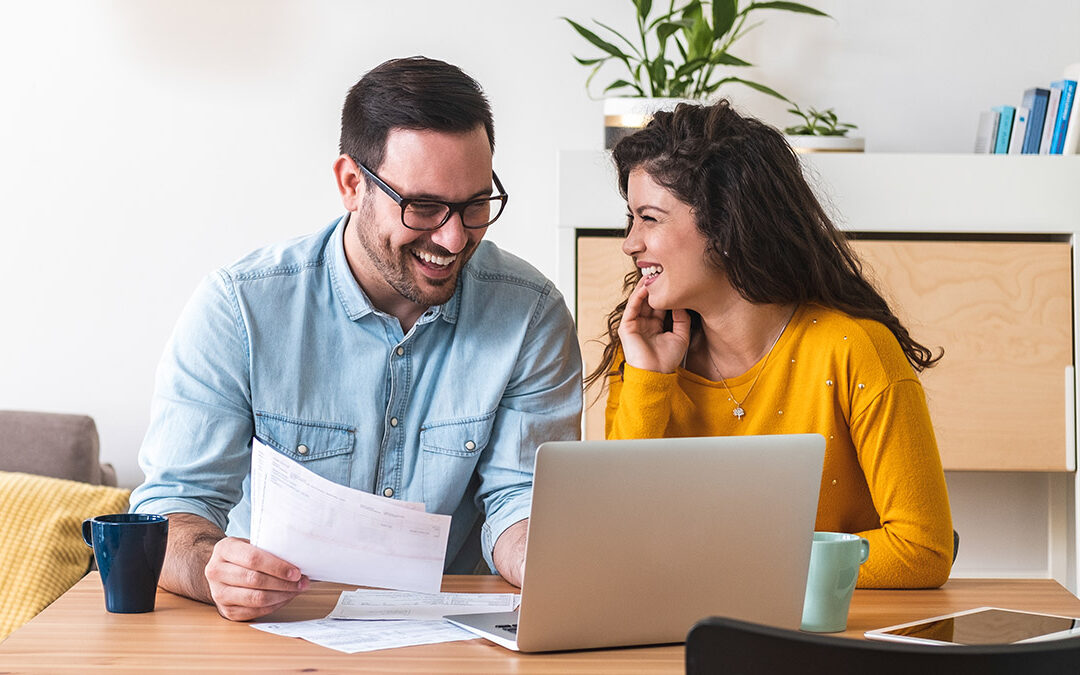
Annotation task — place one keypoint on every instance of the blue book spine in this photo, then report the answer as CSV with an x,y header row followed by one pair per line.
x,y
1004,130
1068,92
1035,100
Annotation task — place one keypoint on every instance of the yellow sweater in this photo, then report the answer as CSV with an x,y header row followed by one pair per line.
x,y
848,380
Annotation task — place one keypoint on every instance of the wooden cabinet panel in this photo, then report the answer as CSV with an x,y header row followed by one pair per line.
x,y
1003,313
601,267
1001,310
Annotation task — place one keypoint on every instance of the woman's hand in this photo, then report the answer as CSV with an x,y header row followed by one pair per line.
x,y
645,343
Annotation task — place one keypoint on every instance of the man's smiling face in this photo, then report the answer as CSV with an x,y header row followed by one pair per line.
x,y
419,268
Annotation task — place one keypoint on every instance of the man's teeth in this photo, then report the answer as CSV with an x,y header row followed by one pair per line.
x,y
651,271
434,259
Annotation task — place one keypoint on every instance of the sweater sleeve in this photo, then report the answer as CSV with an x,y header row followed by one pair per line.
x,y
639,403
896,447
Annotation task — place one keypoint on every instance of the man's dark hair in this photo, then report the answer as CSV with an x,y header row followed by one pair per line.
x,y
411,93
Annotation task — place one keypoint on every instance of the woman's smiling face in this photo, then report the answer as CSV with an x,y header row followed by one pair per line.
x,y
667,247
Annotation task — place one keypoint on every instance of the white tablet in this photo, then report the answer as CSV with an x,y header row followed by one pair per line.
x,y
981,626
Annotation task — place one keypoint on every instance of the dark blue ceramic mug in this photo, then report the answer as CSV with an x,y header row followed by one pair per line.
x,y
130,550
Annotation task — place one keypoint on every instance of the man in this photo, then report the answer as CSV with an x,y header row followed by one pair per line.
x,y
393,352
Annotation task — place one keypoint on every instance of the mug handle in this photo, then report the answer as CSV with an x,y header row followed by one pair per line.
x,y
864,550
87,537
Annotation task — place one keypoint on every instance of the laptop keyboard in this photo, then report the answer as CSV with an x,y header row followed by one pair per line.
x,y
508,627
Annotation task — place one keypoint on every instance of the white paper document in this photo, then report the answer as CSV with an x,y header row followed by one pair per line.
x,y
369,604
335,533
365,636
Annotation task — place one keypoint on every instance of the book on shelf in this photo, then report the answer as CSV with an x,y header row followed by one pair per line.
x,y
1071,142
986,133
1061,122
1004,128
1035,100
1049,120
1016,140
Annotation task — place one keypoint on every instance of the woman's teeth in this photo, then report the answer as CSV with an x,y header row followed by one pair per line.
x,y
434,259
651,271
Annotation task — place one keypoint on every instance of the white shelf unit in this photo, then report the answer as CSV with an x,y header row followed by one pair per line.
x,y
1012,524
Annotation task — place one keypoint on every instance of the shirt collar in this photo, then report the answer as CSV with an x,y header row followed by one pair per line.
x,y
353,299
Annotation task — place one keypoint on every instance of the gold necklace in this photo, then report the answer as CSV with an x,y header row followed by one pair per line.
x,y
738,412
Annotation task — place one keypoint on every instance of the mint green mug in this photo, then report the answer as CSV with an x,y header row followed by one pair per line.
x,y
834,568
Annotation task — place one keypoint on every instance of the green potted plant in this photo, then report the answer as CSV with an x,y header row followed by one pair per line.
x,y
681,53
821,131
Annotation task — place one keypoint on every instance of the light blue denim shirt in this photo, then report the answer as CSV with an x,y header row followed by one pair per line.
x,y
285,346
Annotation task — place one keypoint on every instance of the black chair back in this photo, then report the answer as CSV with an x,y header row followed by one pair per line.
x,y
727,646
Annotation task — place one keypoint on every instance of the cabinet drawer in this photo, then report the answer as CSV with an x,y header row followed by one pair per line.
x,y
1002,311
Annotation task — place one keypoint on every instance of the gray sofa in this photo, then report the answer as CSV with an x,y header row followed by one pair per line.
x,y
52,444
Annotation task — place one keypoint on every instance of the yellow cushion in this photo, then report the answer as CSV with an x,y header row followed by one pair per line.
x,y
42,553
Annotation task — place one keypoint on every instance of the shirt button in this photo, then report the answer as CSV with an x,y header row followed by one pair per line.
x,y
393,421
400,351
388,492
469,445
302,449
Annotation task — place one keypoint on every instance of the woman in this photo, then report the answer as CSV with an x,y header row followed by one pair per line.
x,y
749,314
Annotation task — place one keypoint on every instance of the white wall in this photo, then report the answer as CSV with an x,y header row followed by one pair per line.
x,y
144,143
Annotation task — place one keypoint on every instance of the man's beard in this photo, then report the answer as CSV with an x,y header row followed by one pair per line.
x,y
397,267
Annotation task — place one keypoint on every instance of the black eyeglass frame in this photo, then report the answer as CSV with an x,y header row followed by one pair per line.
x,y
452,207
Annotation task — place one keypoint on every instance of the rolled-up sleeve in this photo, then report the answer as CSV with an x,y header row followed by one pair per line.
x,y
196,452
542,402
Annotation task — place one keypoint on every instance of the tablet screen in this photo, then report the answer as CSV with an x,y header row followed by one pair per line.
x,y
991,626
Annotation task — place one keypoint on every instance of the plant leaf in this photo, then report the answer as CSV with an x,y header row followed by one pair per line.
x,y
682,50
691,17
662,18
658,74
691,66
589,79
617,84
618,35
726,59
590,62
666,30
596,41
643,7
692,10
723,16
786,6
753,85
701,39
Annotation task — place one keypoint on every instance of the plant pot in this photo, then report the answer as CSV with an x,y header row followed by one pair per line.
x,y
624,116
803,144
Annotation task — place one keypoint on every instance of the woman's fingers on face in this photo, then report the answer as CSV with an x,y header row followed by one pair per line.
x,y
636,301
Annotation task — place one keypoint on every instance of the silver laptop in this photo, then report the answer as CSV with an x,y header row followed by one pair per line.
x,y
632,542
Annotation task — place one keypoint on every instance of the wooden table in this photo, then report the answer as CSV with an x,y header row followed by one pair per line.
x,y
76,634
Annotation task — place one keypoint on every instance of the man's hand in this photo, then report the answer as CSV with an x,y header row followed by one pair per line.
x,y
247,582
244,582
509,552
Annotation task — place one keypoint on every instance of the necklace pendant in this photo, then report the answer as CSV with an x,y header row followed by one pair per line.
x,y
738,412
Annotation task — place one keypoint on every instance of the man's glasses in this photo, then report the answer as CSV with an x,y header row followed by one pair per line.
x,y
431,214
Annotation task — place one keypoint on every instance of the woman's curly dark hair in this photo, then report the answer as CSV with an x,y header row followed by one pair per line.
x,y
764,226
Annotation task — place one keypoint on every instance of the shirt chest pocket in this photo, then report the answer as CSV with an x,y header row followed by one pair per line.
x,y
323,447
451,449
